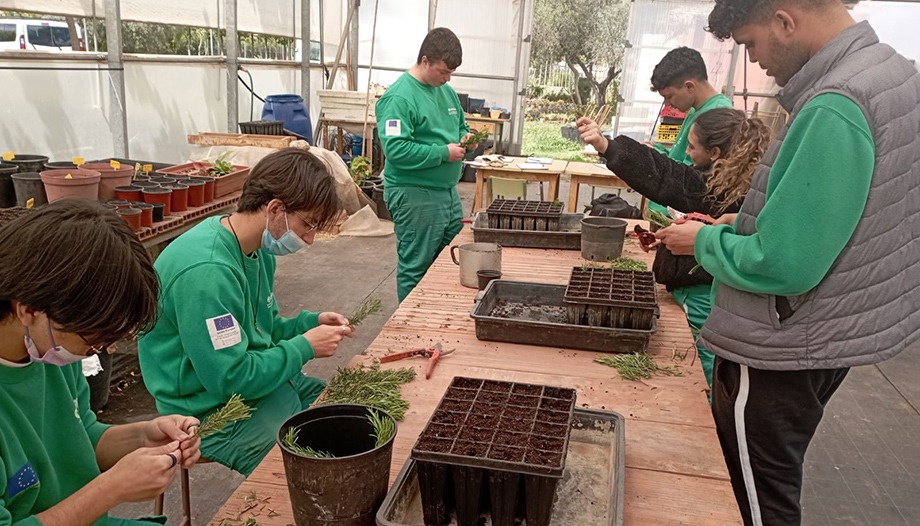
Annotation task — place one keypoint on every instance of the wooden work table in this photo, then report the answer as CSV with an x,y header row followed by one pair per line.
x,y
550,174
675,473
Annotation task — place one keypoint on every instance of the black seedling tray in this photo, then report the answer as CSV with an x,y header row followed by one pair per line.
x,y
567,237
613,287
590,493
544,320
503,426
540,216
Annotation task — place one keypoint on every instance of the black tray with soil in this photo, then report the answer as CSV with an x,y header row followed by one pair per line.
x,y
515,214
499,446
605,297
537,314
590,493
567,237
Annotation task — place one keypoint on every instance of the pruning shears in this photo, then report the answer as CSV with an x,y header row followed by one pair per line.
x,y
433,353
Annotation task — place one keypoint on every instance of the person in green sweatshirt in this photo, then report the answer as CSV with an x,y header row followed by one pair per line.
x,y
219,332
73,280
421,126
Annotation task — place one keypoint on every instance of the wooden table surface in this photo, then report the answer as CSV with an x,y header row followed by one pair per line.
x,y
675,474
550,174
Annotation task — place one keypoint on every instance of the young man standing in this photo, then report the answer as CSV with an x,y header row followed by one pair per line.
x,y
808,287
421,124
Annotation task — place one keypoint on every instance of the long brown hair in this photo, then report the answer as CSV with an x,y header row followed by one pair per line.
x,y
742,142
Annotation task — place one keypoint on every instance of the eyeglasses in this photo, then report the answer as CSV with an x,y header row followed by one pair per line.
x,y
310,226
93,350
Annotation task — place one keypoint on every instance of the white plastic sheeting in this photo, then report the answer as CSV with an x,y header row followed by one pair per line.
x,y
895,23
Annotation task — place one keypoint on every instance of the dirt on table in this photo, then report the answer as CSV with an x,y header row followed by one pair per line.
x,y
522,311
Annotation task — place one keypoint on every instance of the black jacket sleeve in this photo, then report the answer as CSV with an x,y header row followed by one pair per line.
x,y
657,177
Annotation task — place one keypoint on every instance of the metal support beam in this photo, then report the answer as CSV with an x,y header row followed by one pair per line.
x,y
118,119
306,48
432,13
521,70
233,56
729,89
353,48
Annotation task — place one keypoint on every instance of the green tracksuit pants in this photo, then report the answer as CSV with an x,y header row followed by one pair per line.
x,y
426,220
696,301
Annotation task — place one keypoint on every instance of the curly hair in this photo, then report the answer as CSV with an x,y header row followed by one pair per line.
x,y
729,15
742,141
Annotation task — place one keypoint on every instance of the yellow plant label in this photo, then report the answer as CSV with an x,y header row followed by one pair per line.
x,y
78,161
115,164
137,167
9,156
68,176
148,168
30,203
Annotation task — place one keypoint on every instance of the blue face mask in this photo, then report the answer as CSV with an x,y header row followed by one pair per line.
x,y
288,243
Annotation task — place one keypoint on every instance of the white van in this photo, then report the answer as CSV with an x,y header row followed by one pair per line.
x,y
35,34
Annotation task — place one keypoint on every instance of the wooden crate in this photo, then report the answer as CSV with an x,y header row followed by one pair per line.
x,y
240,139
338,105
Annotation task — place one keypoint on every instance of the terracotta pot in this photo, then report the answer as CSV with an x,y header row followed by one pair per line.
x,y
144,184
195,192
146,213
159,195
132,216
179,202
161,180
208,187
110,178
119,203
129,193
81,184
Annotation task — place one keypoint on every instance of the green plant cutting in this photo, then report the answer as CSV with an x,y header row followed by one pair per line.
x,y
234,410
369,307
475,137
384,427
290,440
657,218
636,366
369,386
628,264
360,169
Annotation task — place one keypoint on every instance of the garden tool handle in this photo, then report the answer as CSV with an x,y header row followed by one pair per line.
x,y
432,361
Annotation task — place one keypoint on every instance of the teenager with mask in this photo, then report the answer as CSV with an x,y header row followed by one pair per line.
x,y
219,332
73,280
725,148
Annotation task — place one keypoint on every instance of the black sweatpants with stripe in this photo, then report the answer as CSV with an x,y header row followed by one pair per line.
x,y
765,421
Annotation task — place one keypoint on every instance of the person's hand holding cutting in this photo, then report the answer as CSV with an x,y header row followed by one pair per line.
x,y
679,239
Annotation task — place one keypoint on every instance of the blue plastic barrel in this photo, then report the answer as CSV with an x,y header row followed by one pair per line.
x,y
356,145
289,109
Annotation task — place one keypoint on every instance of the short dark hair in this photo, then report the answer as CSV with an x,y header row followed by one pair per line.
x,y
729,15
82,266
441,44
678,66
298,179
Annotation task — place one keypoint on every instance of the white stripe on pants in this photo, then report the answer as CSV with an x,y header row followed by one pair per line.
x,y
746,470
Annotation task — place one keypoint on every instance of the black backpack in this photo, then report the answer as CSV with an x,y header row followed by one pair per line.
x,y
612,205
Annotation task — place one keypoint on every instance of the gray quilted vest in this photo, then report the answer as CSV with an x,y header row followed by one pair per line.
x,y
867,307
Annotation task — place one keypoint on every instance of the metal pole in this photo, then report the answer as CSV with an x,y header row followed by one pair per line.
x,y
353,48
118,120
322,40
306,47
520,82
233,56
729,89
432,13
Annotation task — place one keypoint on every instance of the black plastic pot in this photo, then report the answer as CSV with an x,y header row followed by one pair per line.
x,y
28,185
368,189
29,163
7,190
345,490
158,209
382,211
59,165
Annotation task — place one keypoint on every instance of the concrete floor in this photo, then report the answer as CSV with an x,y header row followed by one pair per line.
x,y
862,469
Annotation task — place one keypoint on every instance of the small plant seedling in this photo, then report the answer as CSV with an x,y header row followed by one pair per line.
x,y
476,137
369,307
657,218
290,440
636,366
222,165
384,427
360,169
234,410
628,264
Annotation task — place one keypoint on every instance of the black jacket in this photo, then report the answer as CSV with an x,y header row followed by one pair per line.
x,y
669,183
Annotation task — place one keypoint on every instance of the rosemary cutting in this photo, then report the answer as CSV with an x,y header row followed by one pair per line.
x,y
636,366
476,137
232,411
369,307
657,218
370,386
628,264
384,427
290,440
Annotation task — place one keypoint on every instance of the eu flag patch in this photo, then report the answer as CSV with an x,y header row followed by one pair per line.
x,y
223,322
24,479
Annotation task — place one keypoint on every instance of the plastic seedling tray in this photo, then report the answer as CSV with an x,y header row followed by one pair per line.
x,y
604,297
567,237
541,216
537,314
590,493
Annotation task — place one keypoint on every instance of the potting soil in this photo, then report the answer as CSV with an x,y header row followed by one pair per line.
x,y
522,311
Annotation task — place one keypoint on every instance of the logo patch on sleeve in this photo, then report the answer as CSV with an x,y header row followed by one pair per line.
x,y
224,331
24,479
394,128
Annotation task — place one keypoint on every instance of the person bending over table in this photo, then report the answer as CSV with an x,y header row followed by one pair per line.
x,y
74,279
725,148
219,332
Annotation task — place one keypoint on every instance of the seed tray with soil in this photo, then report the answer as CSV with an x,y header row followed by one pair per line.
x,y
487,229
590,493
508,214
604,297
537,314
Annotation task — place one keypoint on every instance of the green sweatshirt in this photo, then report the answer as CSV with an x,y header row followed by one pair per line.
x,y
416,122
48,439
816,194
206,345
678,151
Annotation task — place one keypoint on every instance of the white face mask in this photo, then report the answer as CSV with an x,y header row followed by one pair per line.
x,y
56,355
